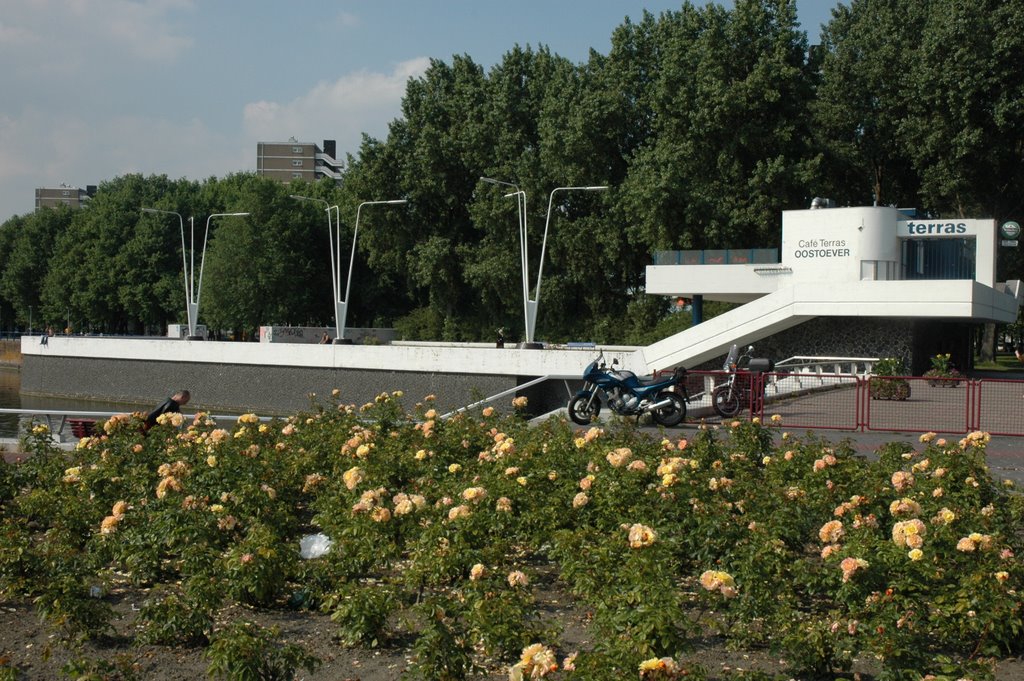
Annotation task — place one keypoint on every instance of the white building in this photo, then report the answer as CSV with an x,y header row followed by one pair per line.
x,y
916,287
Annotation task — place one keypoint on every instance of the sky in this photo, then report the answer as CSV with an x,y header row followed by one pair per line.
x,y
95,89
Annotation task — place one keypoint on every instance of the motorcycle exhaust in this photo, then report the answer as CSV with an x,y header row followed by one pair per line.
x,y
658,405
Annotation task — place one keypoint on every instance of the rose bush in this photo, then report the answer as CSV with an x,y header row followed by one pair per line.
x,y
444,528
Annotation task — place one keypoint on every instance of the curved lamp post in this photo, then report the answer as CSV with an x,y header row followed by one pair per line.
x,y
188,263
341,306
530,306
523,258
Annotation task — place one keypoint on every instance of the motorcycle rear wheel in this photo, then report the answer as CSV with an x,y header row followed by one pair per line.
x,y
726,400
580,412
673,414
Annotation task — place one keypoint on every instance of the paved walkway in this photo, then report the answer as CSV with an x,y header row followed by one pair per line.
x,y
1005,454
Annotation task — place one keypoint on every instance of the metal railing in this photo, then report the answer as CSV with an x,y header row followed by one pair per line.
x,y
498,396
57,420
913,404
845,366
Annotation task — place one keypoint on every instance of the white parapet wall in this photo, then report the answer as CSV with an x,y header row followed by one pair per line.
x,y
316,334
441,358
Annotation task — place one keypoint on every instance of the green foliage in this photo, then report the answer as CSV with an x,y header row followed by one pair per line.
x,y
882,388
122,668
705,123
890,366
243,651
443,651
362,612
943,373
454,527
170,619
31,246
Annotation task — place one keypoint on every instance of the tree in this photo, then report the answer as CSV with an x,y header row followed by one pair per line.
x,y
268,268
30,245
869,53
964,123
114,268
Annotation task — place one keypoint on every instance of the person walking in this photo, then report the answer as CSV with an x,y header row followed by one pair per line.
x,y
172,404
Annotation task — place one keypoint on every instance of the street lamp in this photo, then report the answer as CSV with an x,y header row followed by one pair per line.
x,y
341,306
523,260
334,236
530,306
188,263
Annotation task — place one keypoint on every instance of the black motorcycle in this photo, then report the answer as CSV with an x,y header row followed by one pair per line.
x,y
627,395
743,378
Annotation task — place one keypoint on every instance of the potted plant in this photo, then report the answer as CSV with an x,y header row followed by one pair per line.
x,y
943,374
886,382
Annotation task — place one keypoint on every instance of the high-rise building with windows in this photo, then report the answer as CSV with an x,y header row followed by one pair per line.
x,y
64,195
294,160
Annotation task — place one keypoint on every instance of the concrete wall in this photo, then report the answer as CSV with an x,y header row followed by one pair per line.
x,y
273,378
238,387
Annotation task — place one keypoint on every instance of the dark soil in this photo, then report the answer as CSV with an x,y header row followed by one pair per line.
x,y
28,645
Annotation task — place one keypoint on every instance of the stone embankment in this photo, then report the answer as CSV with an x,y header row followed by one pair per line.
x,y
10,353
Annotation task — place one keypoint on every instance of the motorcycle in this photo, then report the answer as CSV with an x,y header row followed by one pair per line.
x,y
627,395
737,391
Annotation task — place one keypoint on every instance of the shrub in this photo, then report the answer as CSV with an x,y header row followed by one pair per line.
x,y
943,373
242,651
796,544
882,388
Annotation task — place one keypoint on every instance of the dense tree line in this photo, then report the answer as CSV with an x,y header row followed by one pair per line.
x,y
705,123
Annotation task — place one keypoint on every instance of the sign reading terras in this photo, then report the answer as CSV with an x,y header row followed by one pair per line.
x,y
821,248
914,228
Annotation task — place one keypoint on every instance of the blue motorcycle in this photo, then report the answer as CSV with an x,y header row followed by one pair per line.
x,y
663,398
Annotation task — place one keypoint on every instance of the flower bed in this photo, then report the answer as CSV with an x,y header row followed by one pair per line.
x,y
794,545
887,382
943,374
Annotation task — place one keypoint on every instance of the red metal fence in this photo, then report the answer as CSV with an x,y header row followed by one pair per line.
x,y
897,403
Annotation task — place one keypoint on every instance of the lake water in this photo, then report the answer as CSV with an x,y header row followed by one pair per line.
x,y
11,398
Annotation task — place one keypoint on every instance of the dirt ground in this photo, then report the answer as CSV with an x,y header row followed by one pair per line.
x,y
29,646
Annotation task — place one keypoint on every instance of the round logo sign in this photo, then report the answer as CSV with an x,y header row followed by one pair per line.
x,y
1010,230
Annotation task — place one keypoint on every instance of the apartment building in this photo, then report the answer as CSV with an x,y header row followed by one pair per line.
x,y
294,160
64,195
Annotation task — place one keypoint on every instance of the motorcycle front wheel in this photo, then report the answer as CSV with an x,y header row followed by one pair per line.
x,y
672,414
726,401
581,412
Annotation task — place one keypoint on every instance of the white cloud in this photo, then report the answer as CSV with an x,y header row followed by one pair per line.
x,y
17,37
47,36
346,20
343,109
42,149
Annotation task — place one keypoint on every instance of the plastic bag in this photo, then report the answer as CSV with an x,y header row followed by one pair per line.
x,y
314,545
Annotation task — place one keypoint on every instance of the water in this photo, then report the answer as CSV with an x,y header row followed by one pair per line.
x,y
10,384
11,398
